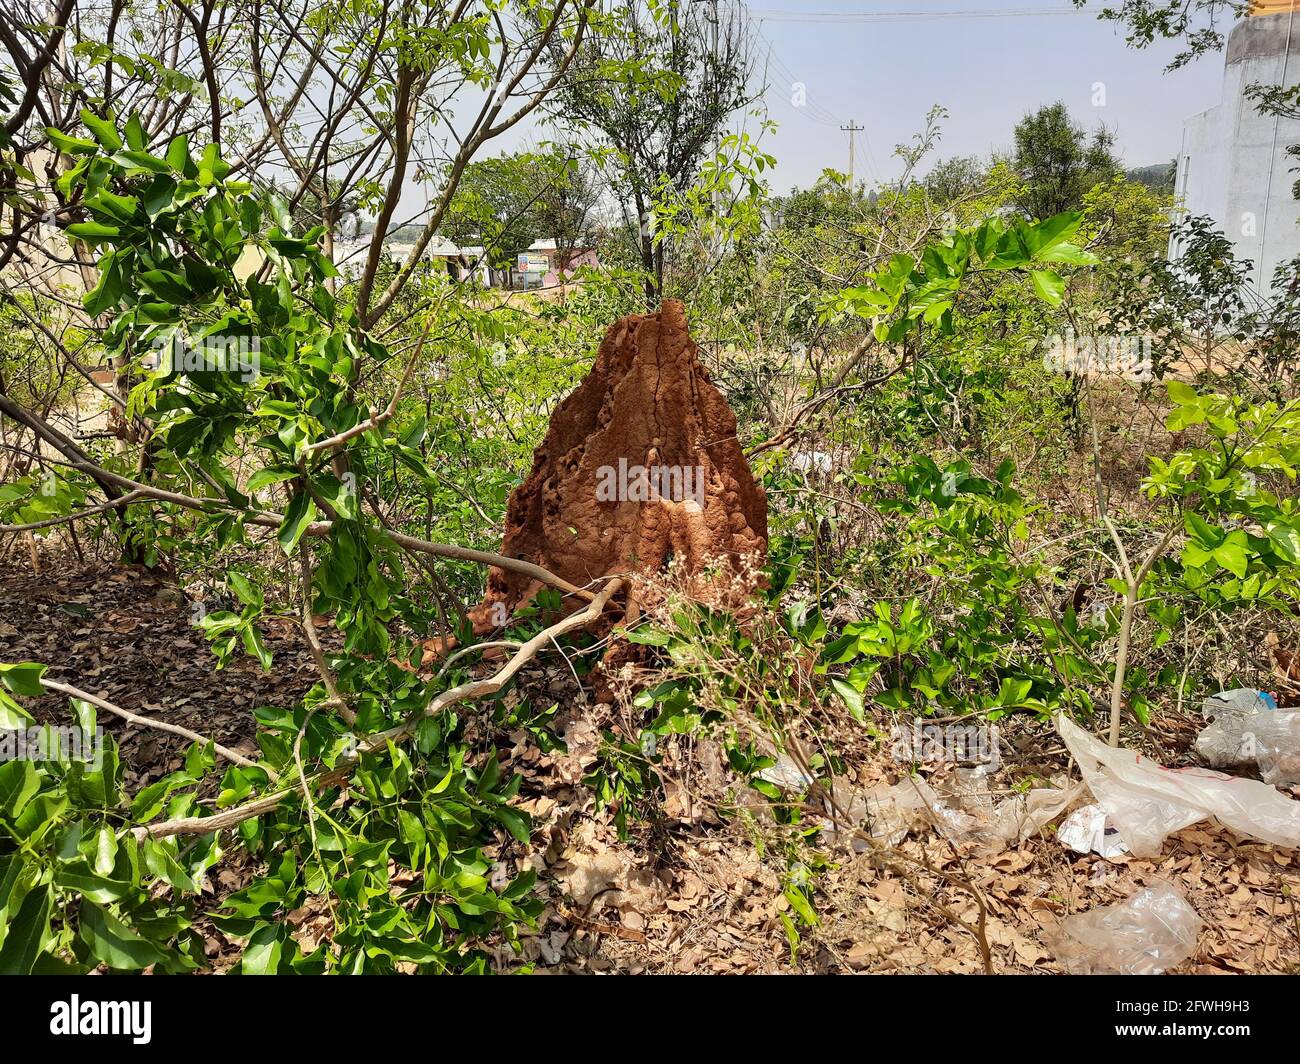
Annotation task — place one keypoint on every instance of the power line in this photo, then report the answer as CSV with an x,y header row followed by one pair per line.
x,y
816,111
820,115
809,109
788,16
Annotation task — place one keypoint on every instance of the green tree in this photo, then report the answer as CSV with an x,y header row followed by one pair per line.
x,y
1059,161
495,206
657,83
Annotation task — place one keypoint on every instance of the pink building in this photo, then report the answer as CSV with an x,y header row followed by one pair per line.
x,y
558,272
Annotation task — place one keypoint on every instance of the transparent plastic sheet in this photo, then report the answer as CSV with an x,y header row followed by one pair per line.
x,y
1239,702
993,825
889,813
1147,802
1224,743
1147,934
886,814
1276,739
1228,740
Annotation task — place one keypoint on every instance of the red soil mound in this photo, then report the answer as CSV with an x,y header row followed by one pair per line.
x,y
640,467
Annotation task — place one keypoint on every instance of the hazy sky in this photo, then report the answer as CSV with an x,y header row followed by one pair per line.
x,y
987,71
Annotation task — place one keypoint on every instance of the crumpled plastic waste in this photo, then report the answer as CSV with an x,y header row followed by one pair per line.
x,y
888,813
1277,747
1247,728
1149,933
1087,830
812,461
786,773
884,814
1148,802
994,825
1226,742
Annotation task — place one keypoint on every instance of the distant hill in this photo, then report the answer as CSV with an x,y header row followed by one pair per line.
x,y
1157,176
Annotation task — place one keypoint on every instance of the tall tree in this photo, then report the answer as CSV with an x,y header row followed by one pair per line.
x,y
567,200
658,82
495,206
1059,162
1195,24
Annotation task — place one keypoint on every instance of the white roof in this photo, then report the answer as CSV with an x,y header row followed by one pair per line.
x,y
441,247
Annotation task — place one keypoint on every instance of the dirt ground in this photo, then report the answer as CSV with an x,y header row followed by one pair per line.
x,y
689,891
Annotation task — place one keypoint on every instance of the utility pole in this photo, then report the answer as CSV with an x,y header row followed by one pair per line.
x,y
717,133
850,129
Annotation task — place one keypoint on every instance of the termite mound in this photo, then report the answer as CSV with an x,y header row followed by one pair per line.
x,y
640,468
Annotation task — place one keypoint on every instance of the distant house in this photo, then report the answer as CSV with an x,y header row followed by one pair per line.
x,y
457,261
1233,164
460,263
475,257
537,267
557,272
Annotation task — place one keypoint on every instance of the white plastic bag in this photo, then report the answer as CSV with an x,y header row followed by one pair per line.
x,y
1224,743
1015,819
1276,739
1147,934
891,812
1229,740
1146,801
1087,830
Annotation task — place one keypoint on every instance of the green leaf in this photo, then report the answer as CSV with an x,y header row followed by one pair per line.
x,y
167,286
105,850
11,868
302,511
1232,557
24,678
123,208
271,475
102,130
1051,232
112,942
1285,540
1049,286
1181,393
515,822
1070,255
244,590
851,697
262,957
92,231
135,162
70,145
799,902
19,782
108,290
27,930
12,715
134,132
178,153
1201,530
279,211
646,636
256,646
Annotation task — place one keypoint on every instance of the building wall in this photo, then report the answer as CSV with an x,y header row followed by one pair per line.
x,y
1233,164
583,257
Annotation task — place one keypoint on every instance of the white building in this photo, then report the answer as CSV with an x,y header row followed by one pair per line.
x,y
1233,164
